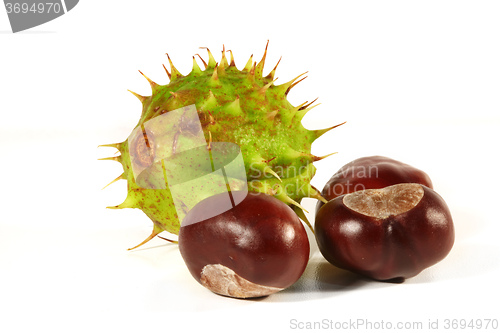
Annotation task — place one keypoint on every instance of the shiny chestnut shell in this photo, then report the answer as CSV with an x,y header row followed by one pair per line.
x,y
371,172
393,247
260,239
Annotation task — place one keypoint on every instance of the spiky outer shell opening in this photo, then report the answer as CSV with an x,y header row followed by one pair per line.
x,y
238,106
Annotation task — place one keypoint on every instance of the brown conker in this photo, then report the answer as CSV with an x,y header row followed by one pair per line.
x,y
254,249
389,233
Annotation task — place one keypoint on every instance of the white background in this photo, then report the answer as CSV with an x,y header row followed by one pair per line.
x,y
417,81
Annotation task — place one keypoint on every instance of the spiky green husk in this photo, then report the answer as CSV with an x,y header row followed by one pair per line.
x,y
238,106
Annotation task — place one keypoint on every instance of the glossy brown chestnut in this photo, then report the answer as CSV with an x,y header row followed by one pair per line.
x,y
254,249
371,172
385,234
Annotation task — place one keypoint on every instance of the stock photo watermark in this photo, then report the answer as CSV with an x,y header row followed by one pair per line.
x,y
26,14
363,324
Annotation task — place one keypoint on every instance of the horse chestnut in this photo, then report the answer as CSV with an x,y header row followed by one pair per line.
x,y
254,249
371,172
385,234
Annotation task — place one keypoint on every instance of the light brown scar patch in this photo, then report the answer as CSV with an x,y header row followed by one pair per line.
x,y
382,203
222,280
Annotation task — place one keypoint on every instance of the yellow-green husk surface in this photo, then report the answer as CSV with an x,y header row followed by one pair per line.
x,y
238,106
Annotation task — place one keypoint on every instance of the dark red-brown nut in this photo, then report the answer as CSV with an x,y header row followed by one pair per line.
x,y
254,249
385,234
371,172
